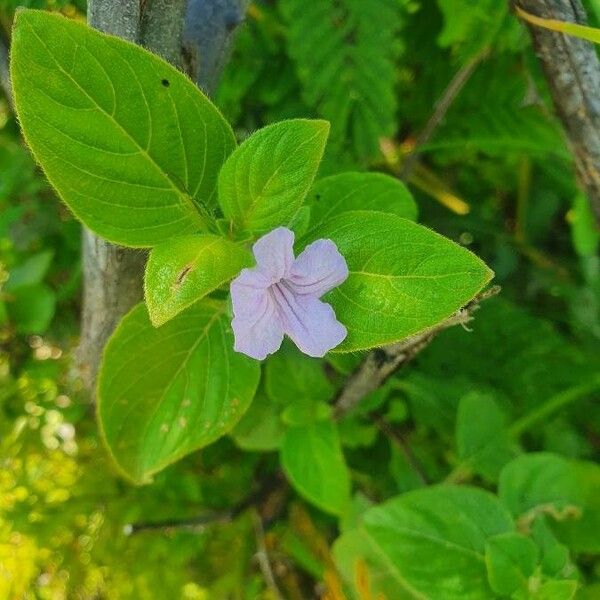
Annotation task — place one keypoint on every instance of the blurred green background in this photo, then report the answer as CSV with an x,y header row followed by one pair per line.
x,y
496,176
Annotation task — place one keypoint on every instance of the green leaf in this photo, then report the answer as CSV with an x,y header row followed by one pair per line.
x,y
312,459
263,183
561,589
129,143
538,483
31,271
471,29
341,193
427,543
291,376
581,535
404,278
482,439
554,556
584,231
510,559
185,269
261,428
32,308
163,393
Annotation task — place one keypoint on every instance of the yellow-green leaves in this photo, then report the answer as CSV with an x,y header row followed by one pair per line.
x,y
336,194
584,32
404,278
130,144
185,269
263,183
165,392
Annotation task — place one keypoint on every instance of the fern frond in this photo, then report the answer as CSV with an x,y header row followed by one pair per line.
x,y
345,53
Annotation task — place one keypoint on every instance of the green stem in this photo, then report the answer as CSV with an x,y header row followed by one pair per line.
x,y
553,404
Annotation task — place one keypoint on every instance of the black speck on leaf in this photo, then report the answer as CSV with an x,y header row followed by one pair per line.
x,y
165,82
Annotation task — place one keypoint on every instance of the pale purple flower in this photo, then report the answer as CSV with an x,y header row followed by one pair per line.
x,y
281,296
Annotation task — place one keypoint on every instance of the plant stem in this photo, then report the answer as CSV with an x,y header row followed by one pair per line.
x,y
552,405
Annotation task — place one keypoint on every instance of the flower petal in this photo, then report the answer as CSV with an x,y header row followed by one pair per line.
x,y
274,253
318,269
310,323
256,326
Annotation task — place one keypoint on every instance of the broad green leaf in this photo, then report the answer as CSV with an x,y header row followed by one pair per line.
x,y
163,393
264,182
261,428
510,559
129,143
341,193
482,439
581,535
185,269
427,543
539,483
404,278
312,459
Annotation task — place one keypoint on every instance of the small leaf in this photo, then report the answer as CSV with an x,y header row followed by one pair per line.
x,y
584,231
31,271
336,194
184,269
136,160
510,559
261,428
561,589
482,439
581,535
540,483
427,543
163,393
404,278
291,376
312,459
263,183
32,308
554,556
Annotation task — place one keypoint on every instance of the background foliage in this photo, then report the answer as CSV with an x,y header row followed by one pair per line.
x,y
508,413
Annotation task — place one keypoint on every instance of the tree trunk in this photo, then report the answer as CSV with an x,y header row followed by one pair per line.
x,y
572,71
112,275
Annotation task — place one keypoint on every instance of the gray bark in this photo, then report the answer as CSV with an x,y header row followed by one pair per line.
x,y
209,26
4,71
572,70
112,276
